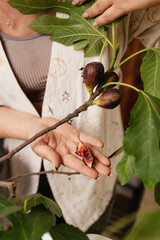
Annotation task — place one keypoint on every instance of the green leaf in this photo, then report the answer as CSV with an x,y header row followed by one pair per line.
x,y
6,207
67,232
8,210
147,228
29,226
66,31
4,203
33,6
150,72
142,138
38,199
126,168
80,44
157,193
116,21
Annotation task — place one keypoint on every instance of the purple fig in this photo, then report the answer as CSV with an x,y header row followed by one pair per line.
x,y
112,77
93,75
109,99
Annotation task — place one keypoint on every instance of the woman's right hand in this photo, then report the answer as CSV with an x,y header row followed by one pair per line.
x,y
59,147
106,11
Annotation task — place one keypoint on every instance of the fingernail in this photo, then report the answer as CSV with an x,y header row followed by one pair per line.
x,y
55,169
75,2
95,24
85,15
110,175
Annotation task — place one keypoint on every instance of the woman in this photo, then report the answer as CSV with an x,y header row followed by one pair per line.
x,y
37,79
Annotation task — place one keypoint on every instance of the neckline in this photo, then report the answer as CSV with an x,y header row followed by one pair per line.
x,y
10,37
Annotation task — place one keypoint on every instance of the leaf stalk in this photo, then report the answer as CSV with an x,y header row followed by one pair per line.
x,y
122,84
131,56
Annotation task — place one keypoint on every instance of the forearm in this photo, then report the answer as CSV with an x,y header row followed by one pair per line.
x,y
15,124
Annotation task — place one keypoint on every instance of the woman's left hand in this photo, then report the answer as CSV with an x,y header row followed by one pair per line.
x,y
59,147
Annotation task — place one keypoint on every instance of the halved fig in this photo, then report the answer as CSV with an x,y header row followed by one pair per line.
x,y
85,152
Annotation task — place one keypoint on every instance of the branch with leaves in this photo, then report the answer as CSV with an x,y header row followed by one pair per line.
x,y
141,140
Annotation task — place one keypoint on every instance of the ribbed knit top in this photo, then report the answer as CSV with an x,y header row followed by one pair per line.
x,y
29,58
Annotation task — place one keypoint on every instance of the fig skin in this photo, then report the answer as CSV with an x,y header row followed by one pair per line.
x,y
113,77
109,99
86,154
93,75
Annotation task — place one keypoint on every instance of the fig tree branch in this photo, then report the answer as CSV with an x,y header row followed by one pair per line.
x,y
11,188
53,171
39,173
76,113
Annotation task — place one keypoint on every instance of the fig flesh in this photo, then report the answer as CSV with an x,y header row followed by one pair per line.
x,y
85,152
93,75
109,99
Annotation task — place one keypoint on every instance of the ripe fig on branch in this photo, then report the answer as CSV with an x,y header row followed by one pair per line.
x,y
112,77
86,154
109,99
93,75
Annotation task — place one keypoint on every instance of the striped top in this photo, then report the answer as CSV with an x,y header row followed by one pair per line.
x,y
29,58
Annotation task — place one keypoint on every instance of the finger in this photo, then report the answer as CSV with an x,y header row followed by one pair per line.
x,y
101,157
91,140
108,16
79,166
78,2
46,152
101,168
97,8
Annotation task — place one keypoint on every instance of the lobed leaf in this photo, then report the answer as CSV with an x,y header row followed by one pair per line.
x,y
67,232
73,29
8,210
29,226
33,6
150,72
125,169
38,199
116,21
142,138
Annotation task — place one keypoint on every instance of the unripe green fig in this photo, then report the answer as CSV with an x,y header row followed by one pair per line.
x,y
113,77
109,99
93,75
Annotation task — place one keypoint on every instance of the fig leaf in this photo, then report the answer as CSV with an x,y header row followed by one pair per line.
x,y
142,138
26,226
67,31
66,231
125,169
150,72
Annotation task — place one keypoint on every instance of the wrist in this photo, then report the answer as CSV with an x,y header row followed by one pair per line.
x,y
34,126
37,124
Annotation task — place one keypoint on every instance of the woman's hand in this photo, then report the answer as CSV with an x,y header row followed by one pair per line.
x,y
109,10
59,147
